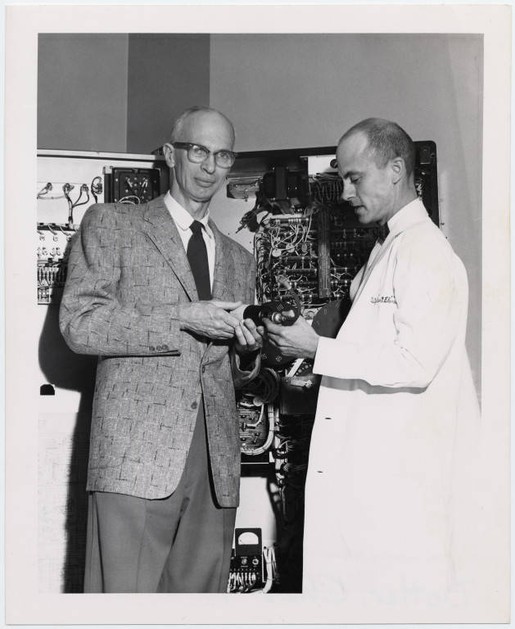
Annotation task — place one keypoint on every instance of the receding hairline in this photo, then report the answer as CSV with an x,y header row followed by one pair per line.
x,y
354,133
368,126
374,132
197,110
351,134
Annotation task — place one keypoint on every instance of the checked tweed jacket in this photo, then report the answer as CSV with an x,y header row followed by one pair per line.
x,y
127,272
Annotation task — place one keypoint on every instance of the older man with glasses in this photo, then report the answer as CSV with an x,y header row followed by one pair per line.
x,y
152,290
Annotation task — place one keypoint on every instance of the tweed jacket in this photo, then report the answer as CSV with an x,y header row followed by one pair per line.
x,y
127,273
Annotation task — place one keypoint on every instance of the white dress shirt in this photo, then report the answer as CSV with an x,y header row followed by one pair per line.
x,y
183,220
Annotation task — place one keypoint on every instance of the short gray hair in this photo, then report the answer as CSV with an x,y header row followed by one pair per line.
x,y
386,140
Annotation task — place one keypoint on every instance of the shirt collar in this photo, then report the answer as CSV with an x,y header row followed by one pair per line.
x,y
182,217
413,212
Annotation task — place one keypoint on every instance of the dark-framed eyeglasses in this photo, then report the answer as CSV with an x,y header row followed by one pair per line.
x,y
198,153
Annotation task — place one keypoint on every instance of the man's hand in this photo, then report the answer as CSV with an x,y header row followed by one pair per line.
x,y
238,311
249,337
295,341
212,319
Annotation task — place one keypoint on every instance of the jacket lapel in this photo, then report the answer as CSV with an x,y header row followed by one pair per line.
x,y
225,272
224,279
161,229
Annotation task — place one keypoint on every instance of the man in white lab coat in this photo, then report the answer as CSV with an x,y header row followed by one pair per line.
x,y
397,409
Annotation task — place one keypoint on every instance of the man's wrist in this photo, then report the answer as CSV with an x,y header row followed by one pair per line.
x,y
180,315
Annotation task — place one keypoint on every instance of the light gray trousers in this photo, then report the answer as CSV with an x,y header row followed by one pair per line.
x,y
178,544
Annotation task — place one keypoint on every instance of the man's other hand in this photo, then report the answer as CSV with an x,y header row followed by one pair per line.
x,y
212,319
249,337
295,341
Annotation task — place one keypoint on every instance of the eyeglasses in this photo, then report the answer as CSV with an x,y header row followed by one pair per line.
x,y
198,153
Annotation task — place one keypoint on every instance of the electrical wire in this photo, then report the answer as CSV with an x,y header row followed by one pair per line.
x,y
127,200
83,189
96,187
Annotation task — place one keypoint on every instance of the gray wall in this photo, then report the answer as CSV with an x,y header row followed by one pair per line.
x,y
82,92
117,93
166,75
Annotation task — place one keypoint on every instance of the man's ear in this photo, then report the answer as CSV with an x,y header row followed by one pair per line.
x,y
169,154
398,168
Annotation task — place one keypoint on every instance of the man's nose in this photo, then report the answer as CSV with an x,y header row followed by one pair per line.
x,y
209,164
348,191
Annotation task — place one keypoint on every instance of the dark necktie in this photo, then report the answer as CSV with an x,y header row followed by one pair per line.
x,y
197,256
382,232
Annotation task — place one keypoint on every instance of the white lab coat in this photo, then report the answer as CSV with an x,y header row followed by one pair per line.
x,y
396,409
